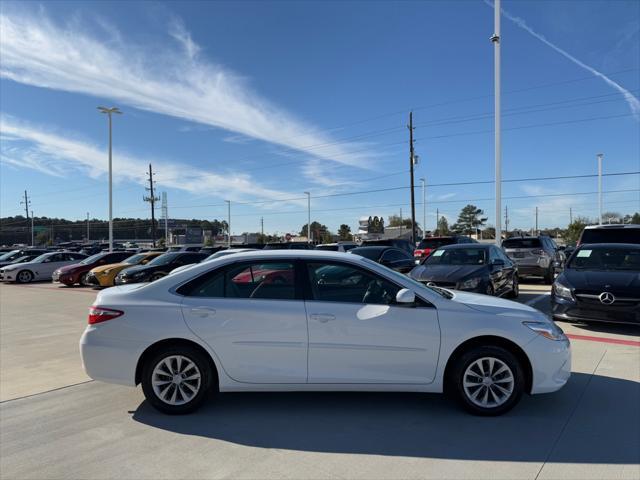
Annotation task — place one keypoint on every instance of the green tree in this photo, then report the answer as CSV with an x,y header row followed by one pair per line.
x,y
573,231
319,232
396,221
344,232
469,219
635,218
443,226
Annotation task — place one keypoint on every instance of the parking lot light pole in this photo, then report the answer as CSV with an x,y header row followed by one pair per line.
x,y
32,235
108,112
495,38
228,223
308,194
599,156
424,207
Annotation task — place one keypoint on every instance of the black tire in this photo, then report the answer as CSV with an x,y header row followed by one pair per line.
x,y
515,288
203,365
156,276
497,353
82,281
490,291
549,276
24,276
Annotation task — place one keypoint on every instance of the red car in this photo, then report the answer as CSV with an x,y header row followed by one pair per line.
x,y
77,272
429,244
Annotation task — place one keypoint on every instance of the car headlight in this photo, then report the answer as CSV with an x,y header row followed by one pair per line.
x,y
9,269
471,283
561,290
547,329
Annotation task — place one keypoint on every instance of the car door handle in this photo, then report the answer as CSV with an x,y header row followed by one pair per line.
x,y
322,317
203,311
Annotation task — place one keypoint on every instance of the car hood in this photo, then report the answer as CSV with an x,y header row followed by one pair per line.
x,y
446,273
600,280
72,267
102,268
143,268
495,305
25,264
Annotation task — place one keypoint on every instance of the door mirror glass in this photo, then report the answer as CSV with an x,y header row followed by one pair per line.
x,y
405,296
498,262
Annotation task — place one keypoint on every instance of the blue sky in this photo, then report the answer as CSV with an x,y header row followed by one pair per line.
x,y
258,102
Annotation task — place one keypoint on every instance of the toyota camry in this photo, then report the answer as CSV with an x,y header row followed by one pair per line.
x,y
294,320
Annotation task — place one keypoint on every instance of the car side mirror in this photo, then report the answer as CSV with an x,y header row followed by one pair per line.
x,y
498,262
405,297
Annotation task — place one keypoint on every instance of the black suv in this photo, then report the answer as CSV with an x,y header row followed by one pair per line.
x,y
610,234
405,245
535,256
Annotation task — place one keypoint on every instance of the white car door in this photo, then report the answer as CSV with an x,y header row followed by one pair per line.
x,y
46,268
253,317
358,335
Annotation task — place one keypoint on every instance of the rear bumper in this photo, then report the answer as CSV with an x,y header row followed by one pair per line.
x,y
111,360
534,270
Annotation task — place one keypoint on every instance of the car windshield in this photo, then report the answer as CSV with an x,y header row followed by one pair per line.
x,y
135,259
434,243
370,253
40,258
457,256
606,258
92,258
8,255
164,259
521,243
20,259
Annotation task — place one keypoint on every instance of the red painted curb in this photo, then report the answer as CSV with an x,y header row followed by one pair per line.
x,y
617,341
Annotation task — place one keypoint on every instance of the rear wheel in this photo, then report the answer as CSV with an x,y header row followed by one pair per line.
x,y
515,288
24,276
488,380
176,380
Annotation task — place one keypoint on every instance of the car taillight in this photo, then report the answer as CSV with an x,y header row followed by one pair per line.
x,y
100,314
417,253
427,251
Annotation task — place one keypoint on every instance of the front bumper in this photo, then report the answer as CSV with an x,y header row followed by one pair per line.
x,y
533,270
65,278
577,311
551,367
8,276
97,280
127,280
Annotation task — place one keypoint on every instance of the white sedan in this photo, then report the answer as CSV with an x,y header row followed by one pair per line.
x,y
318,321
40,268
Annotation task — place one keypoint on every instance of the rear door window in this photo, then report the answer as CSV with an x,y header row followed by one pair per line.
x,y
261,281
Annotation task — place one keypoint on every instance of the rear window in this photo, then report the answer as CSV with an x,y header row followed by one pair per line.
x,y
611,235
522,243
434,243
331,248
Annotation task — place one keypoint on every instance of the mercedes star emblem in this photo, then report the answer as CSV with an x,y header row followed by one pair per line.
x,y
607,298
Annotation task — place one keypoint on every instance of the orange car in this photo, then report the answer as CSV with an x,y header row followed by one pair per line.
x,y
105,275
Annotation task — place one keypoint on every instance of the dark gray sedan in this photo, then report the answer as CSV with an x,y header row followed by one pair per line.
x,y
470,267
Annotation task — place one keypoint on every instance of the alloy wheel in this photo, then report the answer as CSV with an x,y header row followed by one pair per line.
x,y
24,276
176,380
488,382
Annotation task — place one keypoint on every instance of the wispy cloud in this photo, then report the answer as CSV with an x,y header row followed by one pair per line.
x,y
61,154
177,82
634,103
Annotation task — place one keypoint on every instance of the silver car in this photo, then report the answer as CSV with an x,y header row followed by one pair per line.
x,y
535,256
40,268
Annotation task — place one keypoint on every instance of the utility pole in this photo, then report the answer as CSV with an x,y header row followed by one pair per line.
x,y
570,215
401,223
33,244
27,203
537,233
152,199
413,200
424,207
506,221
228,223
262,229
108,112
165,216
308,194
438,221
599,156
495,38
87,227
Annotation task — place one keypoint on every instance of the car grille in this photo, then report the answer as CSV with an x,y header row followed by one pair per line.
x,y
593,299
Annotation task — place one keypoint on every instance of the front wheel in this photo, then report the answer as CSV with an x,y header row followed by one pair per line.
x,y
83,280
488,380
515,288
24,276
176,380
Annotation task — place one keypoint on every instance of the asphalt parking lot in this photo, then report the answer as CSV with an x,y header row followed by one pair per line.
x,y
57,423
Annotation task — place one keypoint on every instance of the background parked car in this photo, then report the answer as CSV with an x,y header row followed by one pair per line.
x,y
391,242
288,246
476,267
392,257
610,234
158,267
337,247
221,253
40,268
105,275
78,272
14,254
601,283
23,259
429,244
535,256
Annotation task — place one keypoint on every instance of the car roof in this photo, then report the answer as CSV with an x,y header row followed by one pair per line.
x,y
608,245
462,246
371,248
612,227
